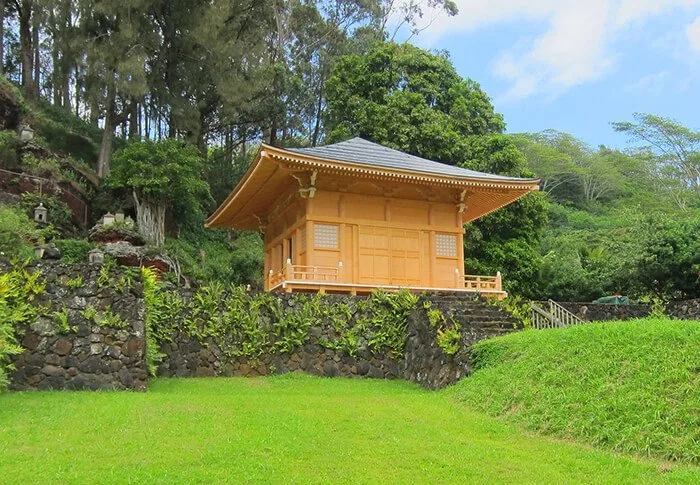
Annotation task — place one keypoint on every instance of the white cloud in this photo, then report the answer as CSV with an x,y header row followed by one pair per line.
x,y
653,83
692,32
575,47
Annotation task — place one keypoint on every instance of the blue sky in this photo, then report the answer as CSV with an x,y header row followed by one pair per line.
x,y
575,66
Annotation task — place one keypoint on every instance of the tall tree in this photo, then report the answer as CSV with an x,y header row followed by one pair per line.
x,y
160,176
119,38
2,36
409,99
554,167
59,26
25,9
407,14
677,147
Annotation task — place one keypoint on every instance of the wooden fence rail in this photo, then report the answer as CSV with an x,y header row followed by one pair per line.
x,y
556,317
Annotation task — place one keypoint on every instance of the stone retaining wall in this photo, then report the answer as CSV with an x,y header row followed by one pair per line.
x,y
96,352
187,357
598,312
87,355
423,361
688,310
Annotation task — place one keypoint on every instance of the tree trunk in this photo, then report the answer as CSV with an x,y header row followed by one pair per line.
x,y
147,120
133,120
56,83
26,50
37,58
150,219
67,60
2,36
317,122
105,156
77,90
65,97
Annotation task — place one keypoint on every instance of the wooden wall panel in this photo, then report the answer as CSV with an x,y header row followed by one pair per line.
x,y
326,203
444,215
374,254
359,207
444,276
405,258
409,212
326,257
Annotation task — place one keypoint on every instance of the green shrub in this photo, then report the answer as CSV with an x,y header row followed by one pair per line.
x,y
18,288
209,255
17,232
61,319
9,149
449,337
74,250
67,134
629,386
386,320
248,324
75,283
59,214
449,340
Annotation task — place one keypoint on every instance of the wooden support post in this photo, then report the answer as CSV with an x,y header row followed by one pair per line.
x,y
457,278
499,282
289,270
340,271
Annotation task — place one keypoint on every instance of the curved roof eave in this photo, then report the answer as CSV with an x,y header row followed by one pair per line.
x,y
469,175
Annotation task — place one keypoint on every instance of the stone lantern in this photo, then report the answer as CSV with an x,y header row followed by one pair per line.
x,y
39,252
26,134
41,214
96,256
108,219
119,216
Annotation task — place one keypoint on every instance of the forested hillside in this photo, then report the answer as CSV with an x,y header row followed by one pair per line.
x,y
157,108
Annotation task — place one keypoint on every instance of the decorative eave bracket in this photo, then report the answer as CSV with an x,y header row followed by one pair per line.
x,y
462,201
307,183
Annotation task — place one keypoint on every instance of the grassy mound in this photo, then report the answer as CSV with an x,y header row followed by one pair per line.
x,y
629,386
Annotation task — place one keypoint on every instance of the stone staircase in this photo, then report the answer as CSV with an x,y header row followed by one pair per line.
x,y
424,360
474,313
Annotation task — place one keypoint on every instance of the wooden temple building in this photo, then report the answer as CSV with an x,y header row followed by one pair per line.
x,y
355,216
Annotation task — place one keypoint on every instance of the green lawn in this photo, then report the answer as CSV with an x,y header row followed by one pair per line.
x,y
288,429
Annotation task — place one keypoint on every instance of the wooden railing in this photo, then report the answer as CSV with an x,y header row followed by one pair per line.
x,y
334,274
480,283
298,272
556,317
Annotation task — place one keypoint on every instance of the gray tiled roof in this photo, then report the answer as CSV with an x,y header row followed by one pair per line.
x,y
360,151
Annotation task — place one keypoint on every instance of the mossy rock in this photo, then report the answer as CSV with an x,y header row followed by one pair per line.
x,y
113,234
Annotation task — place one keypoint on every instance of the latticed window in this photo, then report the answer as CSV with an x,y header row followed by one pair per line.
x,y
302,236
326,236
446,245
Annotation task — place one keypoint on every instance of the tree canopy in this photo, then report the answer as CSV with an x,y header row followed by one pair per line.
x,y
161,175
